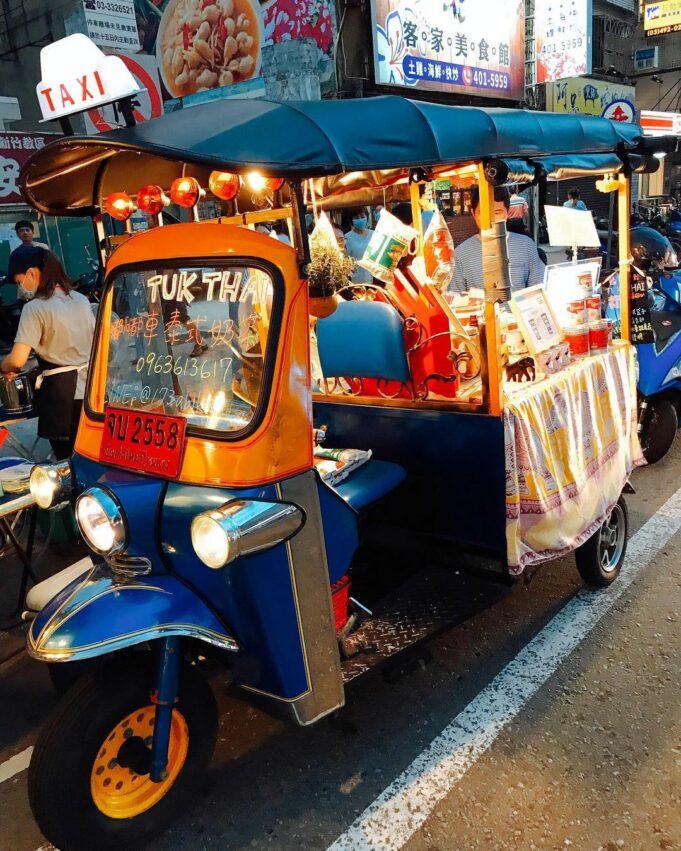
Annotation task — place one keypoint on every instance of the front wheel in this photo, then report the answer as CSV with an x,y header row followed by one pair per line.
x,y
89,783
599,559
660,423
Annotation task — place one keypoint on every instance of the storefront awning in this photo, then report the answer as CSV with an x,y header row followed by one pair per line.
x,y
304,139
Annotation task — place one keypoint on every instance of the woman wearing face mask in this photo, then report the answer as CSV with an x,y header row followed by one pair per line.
x,y
58,324
356,241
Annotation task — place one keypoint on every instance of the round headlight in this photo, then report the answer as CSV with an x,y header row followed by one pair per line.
x,y
50,484
100,520
211,540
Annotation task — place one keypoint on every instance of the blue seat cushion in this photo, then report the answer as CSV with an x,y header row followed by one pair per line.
x,y
363,339
369,483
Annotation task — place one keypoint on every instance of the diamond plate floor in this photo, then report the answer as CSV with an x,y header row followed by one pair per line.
x,y
432,601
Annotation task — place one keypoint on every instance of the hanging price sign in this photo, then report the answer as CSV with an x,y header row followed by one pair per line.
x,y
639,310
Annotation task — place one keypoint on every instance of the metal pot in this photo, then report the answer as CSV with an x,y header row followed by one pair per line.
x,y
16,393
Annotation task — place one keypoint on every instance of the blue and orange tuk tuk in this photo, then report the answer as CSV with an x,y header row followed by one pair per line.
x,y
211,530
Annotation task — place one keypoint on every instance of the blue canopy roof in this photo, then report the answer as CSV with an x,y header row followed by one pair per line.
x,y
310,139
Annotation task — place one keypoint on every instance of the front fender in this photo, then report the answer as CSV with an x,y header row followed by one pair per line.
x,y
101,612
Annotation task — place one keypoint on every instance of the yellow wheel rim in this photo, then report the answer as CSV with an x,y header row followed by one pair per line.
x,y
117,790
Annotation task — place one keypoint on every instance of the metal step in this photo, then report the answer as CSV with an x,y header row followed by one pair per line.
x,y
430,602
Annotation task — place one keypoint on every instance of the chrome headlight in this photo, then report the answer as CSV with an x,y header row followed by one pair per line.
x,y
101,522
242,527
51,484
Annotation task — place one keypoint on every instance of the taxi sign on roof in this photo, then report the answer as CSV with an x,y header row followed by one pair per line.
x,y
77,76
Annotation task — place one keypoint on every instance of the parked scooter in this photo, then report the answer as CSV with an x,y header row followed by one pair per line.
x,y
90,283
659,381
673,231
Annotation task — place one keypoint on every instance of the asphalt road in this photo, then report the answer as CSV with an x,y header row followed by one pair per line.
x,y
547,718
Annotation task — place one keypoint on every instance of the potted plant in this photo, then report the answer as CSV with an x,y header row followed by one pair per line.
x,y
329,269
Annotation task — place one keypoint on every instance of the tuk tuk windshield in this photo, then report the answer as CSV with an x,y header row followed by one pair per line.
x,y
190,341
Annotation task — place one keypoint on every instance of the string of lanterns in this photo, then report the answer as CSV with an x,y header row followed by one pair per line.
x,y
187,192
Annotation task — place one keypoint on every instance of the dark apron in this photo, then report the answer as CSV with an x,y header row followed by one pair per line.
x,y
54,402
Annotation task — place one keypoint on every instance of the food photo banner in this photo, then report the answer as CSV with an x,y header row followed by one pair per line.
x,y
474,47
202,46
562,32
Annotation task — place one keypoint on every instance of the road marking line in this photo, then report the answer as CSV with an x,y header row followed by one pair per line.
x,y
403,807
19,762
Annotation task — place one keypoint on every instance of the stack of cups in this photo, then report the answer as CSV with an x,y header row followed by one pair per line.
x,y
577,331
587,331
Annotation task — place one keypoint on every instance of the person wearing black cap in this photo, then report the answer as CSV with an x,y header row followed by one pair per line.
x,y
58,324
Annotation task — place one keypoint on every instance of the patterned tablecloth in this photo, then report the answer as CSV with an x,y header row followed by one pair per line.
x,y
570,444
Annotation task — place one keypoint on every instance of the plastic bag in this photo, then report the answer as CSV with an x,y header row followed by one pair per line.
x,y
390,242
438,252
323,234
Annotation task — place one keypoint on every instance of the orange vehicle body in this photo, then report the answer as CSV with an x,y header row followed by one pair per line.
x,y
281,446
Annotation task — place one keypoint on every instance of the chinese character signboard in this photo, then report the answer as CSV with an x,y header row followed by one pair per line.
x,y
472,47
15,149
662,18
648,57
563,39
592,97
112,23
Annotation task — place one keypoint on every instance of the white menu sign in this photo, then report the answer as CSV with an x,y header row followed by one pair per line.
x,y
112,23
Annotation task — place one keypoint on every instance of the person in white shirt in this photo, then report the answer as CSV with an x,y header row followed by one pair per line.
x,y
356,241
527,268
58,324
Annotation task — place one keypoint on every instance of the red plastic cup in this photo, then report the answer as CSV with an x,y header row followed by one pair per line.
x,y
578,339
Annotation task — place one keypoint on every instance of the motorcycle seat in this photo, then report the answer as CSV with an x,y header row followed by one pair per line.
x,y
41,593
665,323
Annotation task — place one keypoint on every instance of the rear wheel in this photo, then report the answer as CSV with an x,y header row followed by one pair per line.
x,y
89,783
599,559
659,429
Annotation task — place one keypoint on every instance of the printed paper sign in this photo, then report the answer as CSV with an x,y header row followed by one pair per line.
x,y
112,24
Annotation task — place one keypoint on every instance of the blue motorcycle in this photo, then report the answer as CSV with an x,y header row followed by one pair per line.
x,y
673,231
659,361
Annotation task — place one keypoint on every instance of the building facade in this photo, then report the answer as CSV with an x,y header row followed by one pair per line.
x,y
658,89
